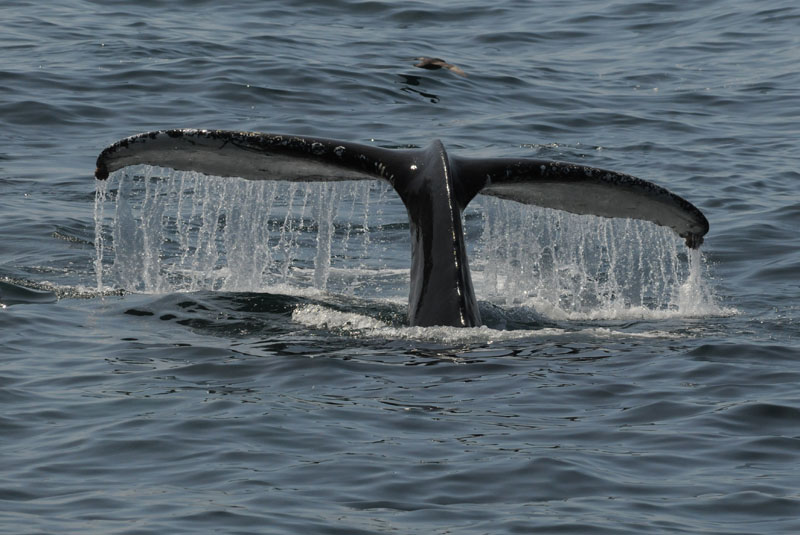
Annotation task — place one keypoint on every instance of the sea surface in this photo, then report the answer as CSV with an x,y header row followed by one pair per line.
x,y
189,354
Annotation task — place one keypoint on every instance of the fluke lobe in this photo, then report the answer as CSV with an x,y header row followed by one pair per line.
x,y
434,186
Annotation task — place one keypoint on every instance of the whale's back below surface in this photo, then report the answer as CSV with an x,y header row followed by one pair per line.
x,y
434,186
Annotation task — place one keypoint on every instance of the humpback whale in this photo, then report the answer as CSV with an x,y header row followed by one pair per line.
x,y
434,186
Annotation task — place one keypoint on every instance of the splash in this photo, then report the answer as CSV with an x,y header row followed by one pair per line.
x,y
160,231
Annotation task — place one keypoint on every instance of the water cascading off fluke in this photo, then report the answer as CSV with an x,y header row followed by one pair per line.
x,y
164,231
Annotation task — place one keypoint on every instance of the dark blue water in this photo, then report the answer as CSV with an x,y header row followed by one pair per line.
x,y
202,399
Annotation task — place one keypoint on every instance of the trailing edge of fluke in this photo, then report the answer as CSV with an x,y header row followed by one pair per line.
x,y
434,186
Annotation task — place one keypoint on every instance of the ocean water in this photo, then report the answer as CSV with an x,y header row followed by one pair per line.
x,y
184,354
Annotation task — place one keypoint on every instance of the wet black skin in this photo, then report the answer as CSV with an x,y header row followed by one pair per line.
x,y
441,291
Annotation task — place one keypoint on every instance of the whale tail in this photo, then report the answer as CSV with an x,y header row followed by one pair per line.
x,y
434,186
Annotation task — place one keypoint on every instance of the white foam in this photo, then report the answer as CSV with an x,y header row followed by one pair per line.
x,y
359,325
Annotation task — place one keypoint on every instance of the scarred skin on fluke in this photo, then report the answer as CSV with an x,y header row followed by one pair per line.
x,y
434,186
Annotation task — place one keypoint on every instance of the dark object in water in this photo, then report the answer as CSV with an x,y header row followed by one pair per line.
x,y
437,63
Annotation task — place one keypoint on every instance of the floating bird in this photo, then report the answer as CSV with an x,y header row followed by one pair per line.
x,y
437,63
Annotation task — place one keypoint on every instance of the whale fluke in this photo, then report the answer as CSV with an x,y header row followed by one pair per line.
x,y
434,186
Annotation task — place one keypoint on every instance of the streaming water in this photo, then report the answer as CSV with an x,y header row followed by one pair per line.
x,y
170,231
159,231
583,267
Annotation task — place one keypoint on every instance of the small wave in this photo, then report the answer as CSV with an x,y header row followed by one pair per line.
x,y
15,294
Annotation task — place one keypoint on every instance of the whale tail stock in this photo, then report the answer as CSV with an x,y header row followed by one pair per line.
x,y
434,186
